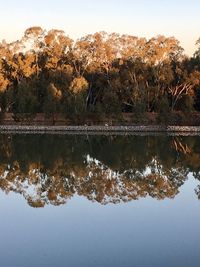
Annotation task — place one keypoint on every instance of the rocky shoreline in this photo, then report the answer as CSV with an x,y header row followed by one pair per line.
x,y
100,129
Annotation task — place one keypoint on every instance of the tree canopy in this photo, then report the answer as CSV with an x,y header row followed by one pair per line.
x,y
101,73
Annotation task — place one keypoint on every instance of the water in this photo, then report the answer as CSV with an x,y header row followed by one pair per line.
x,y
99,200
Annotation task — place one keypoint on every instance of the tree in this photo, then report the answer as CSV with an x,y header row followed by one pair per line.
x,y
177,93
52,102
197,53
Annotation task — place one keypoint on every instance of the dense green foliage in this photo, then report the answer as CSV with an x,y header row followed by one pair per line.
x,y
102,74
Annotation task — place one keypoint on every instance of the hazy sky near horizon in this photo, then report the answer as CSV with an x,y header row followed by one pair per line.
x,y
144,18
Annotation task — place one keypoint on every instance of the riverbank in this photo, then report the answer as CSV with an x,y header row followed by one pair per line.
x,y
126,120
101,129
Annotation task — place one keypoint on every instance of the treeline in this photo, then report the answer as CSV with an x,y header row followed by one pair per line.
x,y
102,74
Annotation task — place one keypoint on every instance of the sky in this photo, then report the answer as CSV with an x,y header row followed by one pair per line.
x,y
143,18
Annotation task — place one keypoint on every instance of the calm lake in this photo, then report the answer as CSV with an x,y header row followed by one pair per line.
x,y
99,201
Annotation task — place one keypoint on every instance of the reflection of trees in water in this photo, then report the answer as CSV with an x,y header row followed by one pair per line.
x,y
51,169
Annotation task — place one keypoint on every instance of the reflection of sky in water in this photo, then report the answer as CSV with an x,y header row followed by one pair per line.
x,y
147,232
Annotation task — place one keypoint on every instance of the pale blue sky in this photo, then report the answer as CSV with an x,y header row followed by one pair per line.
x,y
179,18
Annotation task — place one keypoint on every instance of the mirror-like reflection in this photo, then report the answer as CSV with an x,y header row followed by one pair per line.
x,y
50,169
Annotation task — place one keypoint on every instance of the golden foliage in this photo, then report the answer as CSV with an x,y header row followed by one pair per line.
x,y
78,85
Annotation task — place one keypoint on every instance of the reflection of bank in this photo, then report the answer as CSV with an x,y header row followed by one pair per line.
x,y
107,169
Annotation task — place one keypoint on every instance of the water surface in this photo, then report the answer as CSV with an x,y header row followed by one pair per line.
x,y
99,200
